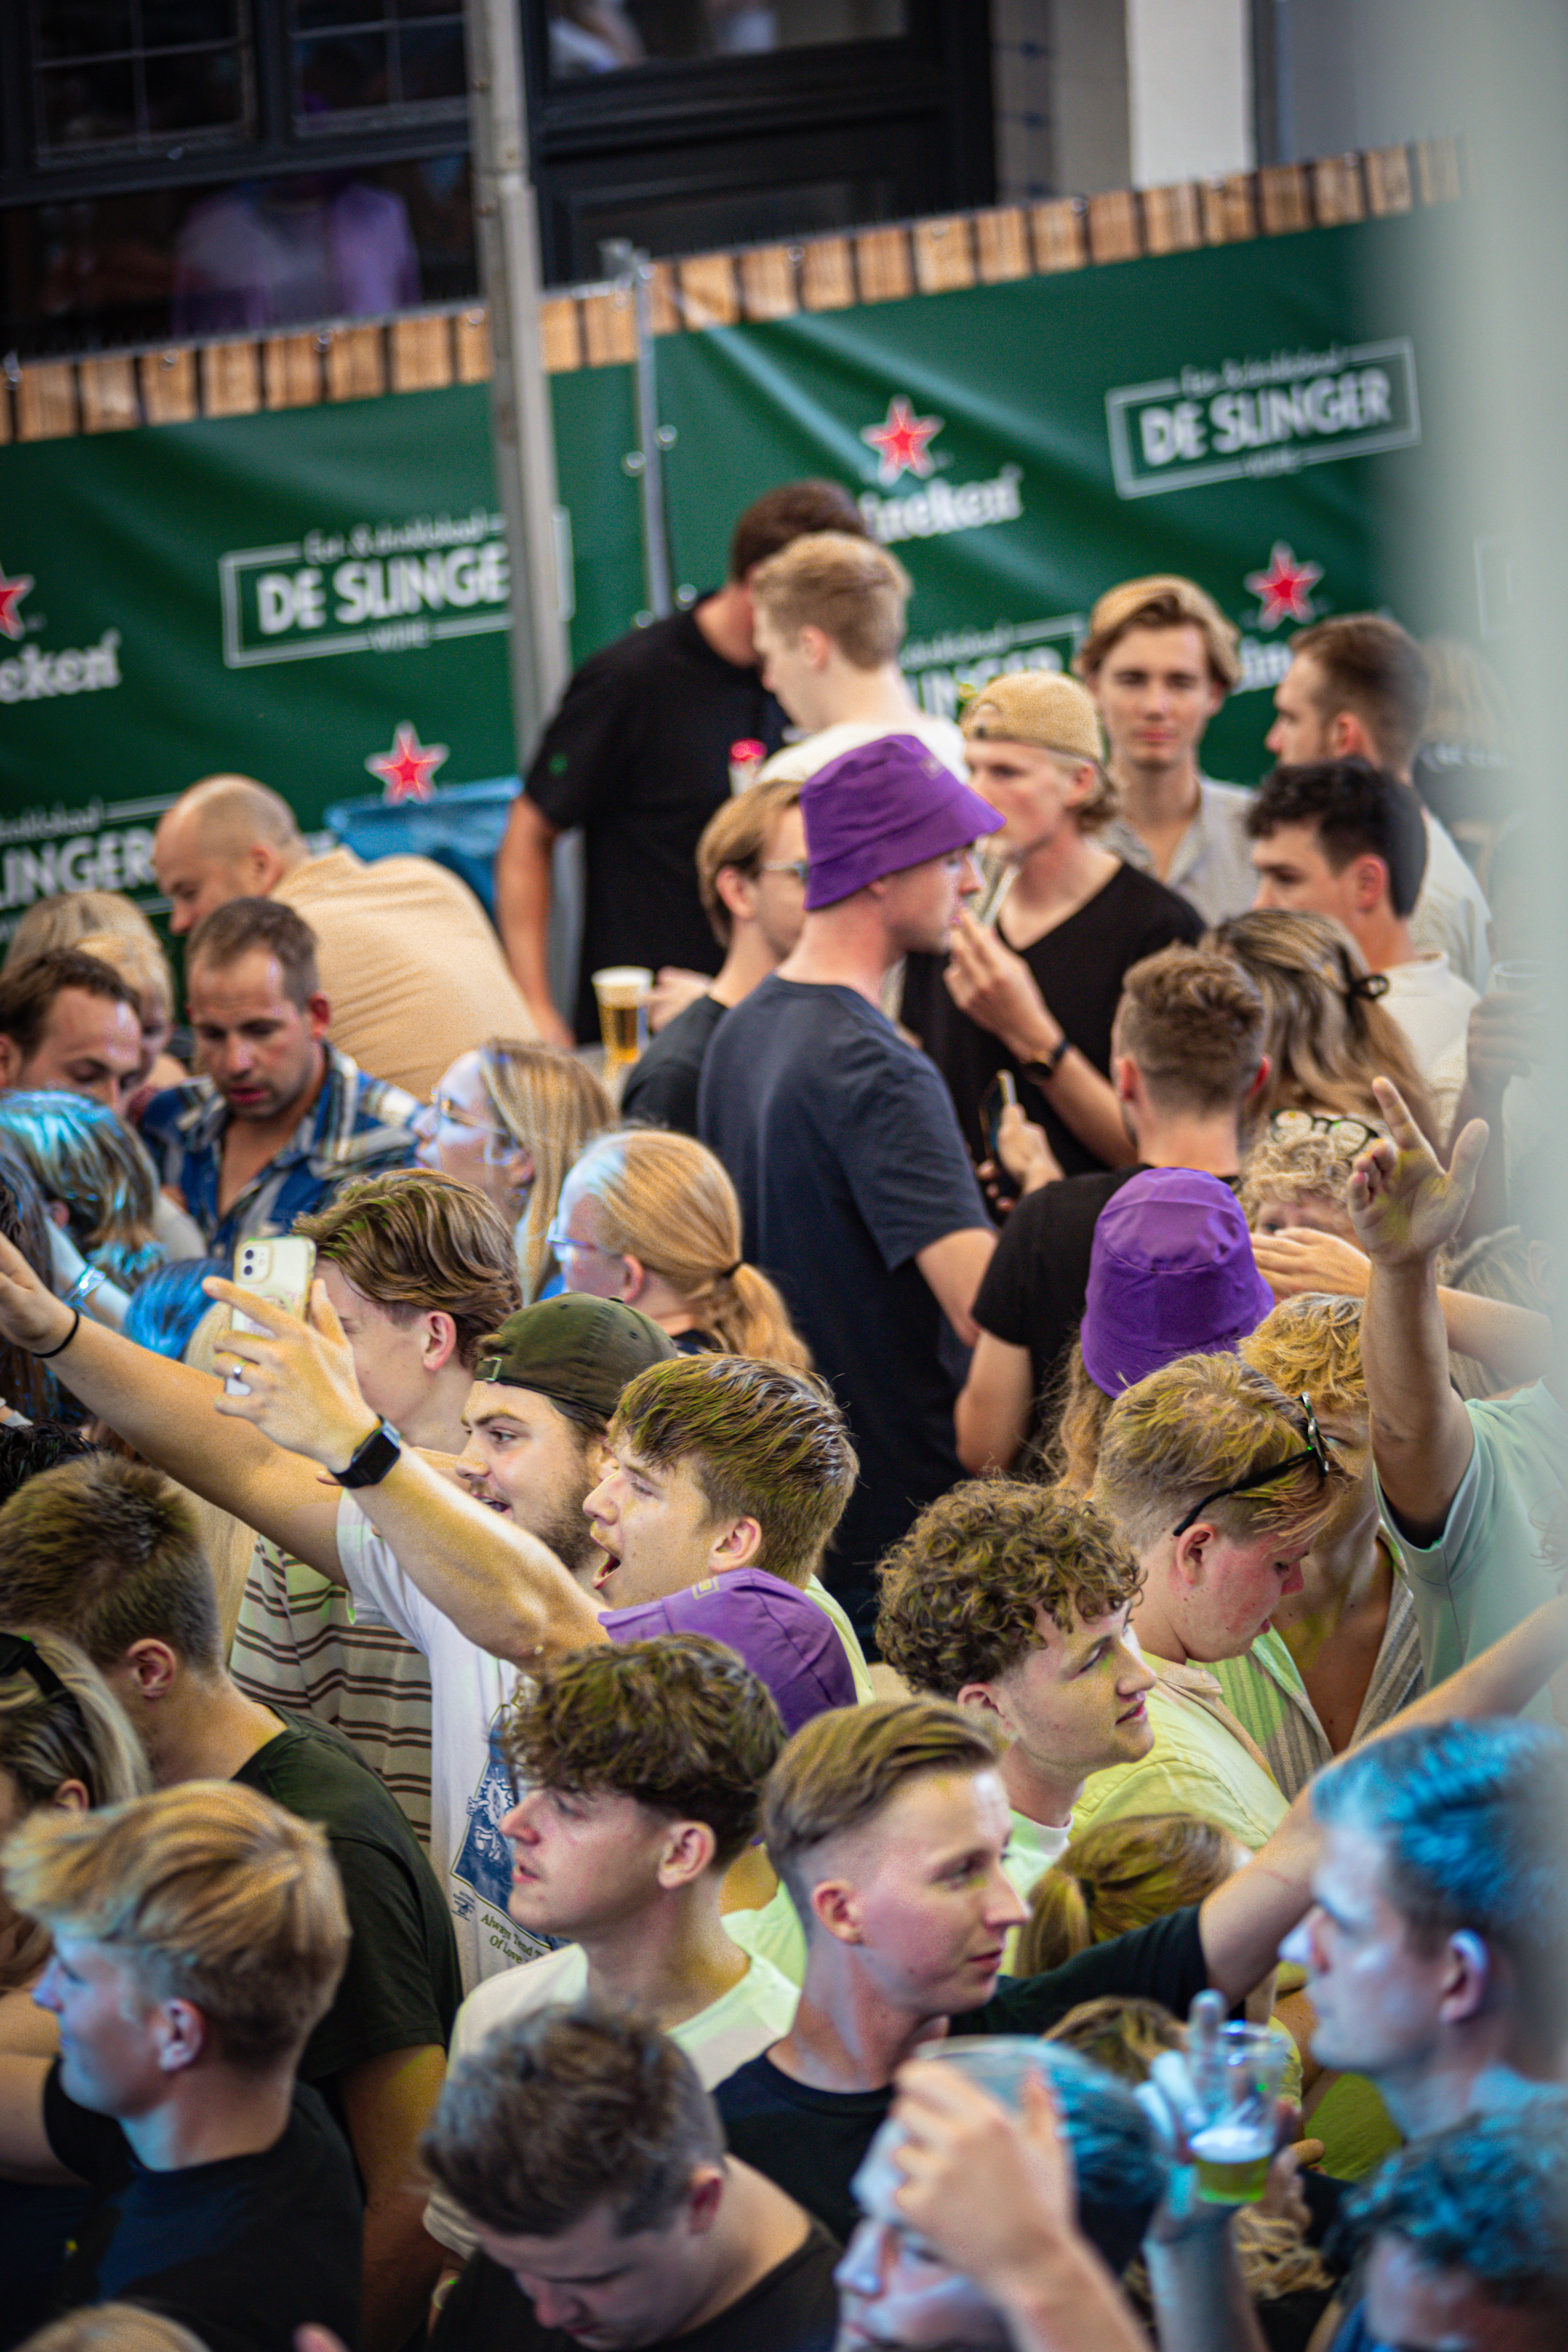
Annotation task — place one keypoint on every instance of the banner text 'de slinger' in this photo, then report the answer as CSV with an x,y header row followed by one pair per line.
x,y
276,607
1256,417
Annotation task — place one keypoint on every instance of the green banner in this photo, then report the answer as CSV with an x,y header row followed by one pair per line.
x,y
319,596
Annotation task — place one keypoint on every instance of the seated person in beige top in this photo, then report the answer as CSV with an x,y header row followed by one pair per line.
x,y
409,962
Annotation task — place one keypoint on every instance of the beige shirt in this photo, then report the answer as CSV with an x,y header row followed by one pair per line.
x,y
409,962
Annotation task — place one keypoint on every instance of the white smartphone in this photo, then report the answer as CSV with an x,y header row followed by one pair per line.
x,y
281,1270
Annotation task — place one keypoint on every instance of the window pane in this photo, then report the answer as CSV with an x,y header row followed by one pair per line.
x,y
342,74
196,90
81,28
84,105
327,16
432,62
595,37
169,24
160,263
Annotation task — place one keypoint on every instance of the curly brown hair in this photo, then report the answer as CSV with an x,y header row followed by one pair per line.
x,y
962,1591
679,1725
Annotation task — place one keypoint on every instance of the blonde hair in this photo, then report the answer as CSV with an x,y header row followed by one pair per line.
x,y
113,2327
665,1200
73,916
737,836
1120,1875
1295,1168
141,962
550,1103
1328,1037
47,1739
1198,1425
1163,600
842,1769
1311,1346
1075,1410
214,1895
850,589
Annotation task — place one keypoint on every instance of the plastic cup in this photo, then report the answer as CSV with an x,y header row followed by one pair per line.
x,y
1235,2080
1521,979
622,991
999,2062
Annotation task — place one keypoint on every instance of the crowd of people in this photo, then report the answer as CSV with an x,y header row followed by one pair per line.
x,y
713,1744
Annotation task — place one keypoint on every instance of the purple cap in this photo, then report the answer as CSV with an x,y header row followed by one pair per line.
x,y
1171,1273
887,804
788,1642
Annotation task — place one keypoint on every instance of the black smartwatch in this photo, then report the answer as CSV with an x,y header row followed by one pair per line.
x,y
372,1458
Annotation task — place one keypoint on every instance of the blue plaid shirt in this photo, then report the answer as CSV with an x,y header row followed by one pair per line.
x,y
356,1127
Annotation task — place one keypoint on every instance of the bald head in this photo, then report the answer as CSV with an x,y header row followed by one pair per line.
x,y
227,837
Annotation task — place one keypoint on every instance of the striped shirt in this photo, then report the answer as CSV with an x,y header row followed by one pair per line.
x,y
1264,1691
357,1126
304,1644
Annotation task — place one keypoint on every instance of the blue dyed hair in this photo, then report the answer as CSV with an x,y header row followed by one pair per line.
x,y
1488,2197
79,1151
1470,1817
167,1304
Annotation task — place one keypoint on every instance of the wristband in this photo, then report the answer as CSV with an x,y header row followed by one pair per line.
x,y
91,1280
1045,1069
372,1458
42,1355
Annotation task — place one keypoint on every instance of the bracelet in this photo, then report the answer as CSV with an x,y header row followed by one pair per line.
x,y
42,1355
1043,1070
89,1282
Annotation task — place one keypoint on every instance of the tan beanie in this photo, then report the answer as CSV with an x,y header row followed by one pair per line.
x,y
1036,706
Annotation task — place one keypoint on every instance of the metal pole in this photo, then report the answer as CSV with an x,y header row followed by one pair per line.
x,y
634,268
519,395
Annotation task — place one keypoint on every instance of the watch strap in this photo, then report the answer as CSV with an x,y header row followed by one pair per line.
x,y
372,1458
1044,1069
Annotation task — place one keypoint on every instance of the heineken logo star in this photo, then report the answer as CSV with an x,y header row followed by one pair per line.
x,y
406,771
901,440
11,594
1284,590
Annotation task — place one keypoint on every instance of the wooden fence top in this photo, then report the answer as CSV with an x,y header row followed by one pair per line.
x,y
594,326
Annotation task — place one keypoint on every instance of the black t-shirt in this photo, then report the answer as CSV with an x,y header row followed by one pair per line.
x,y
662,1085
841,1141
793,2309
241,2251
638,754
811,2142
1080,967
401,1988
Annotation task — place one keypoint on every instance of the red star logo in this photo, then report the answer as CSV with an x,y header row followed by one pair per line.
x,y
11,594
1284,590
406,769
900,442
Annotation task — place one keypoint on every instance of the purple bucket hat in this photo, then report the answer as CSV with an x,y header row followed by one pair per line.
x,y
788,1642
1171,1273
885,805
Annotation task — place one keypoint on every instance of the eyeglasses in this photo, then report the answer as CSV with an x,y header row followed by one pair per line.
x,y
1350,1134
1315,1450
560,1242
19,1655
445,1107
798,867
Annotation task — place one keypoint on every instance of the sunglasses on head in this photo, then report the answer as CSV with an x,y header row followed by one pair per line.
x,y
19,1655
1315,1450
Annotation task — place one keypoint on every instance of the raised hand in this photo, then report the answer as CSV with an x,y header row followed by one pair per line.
x,y
998,991
1405,1205
300,1376
1301,1260
983,2186
31,1315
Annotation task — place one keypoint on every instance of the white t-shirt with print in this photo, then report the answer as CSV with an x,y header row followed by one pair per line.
x,y
470,1789
738,2026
